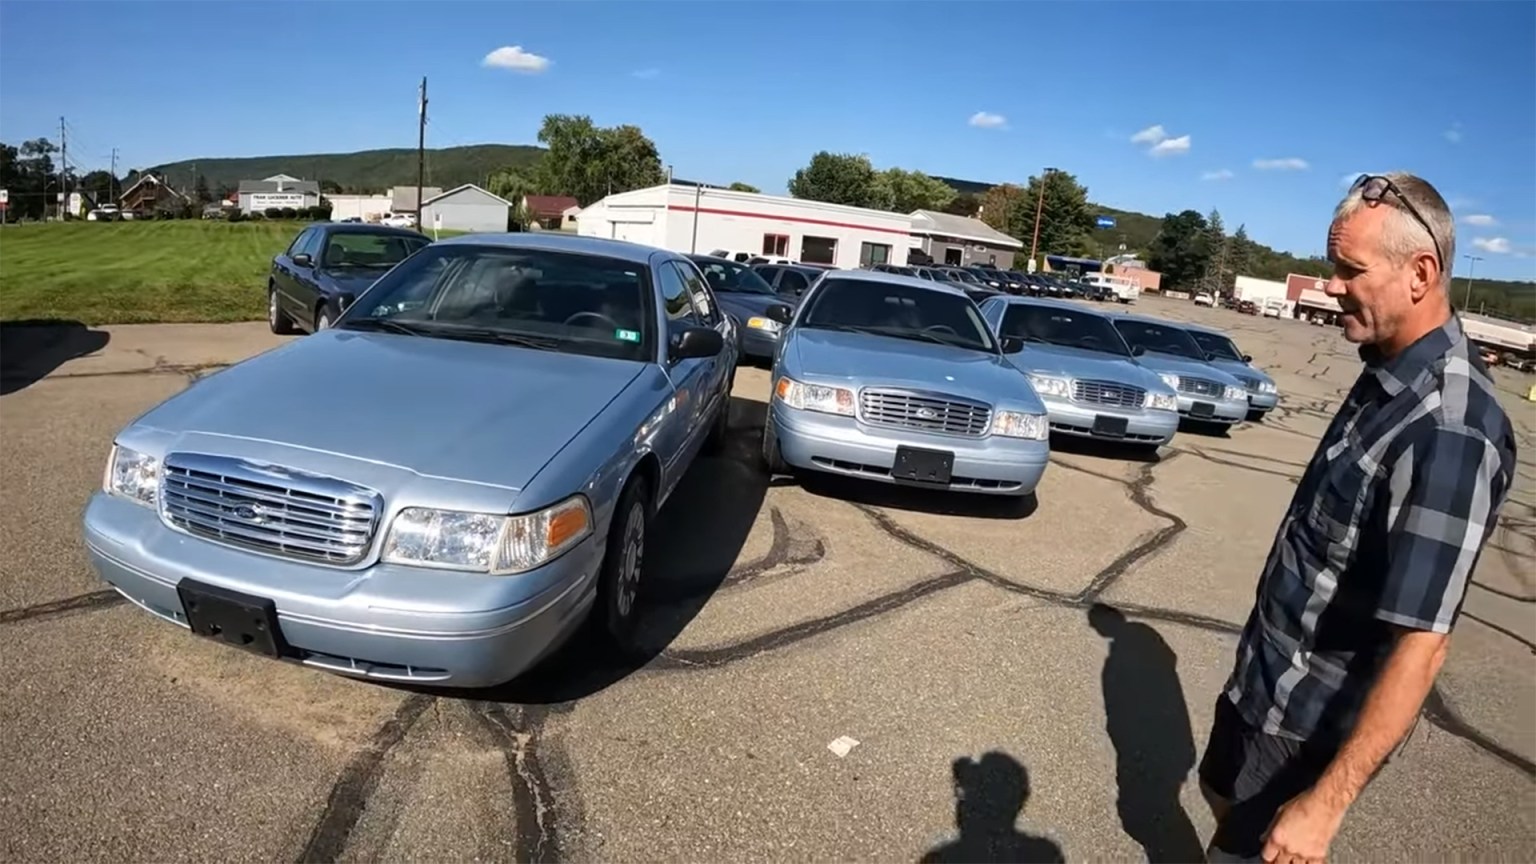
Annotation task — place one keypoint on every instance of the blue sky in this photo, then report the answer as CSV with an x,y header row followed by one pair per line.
x,y
745,91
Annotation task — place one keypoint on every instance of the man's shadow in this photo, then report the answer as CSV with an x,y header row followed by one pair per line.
x,y
1148,723
990,793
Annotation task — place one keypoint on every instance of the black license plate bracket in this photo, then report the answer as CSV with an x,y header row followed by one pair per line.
x,y
920,465
243,620
1109,426
1202,409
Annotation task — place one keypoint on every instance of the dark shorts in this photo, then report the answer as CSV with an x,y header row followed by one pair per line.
x,y
1256,773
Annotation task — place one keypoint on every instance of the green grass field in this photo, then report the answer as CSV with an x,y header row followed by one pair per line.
x,y
140,272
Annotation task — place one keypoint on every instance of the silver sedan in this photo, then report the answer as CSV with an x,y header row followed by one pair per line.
x,y
1207,394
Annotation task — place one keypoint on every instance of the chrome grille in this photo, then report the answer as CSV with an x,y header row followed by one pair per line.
x,y
1200,386
927,412
1108,393
268,508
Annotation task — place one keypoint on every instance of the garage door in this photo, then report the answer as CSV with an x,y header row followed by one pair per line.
x,y
634,232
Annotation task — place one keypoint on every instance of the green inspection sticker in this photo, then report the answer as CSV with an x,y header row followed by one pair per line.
x,y
627,335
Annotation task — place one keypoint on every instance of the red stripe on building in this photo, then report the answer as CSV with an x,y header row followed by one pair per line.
x,y
683,208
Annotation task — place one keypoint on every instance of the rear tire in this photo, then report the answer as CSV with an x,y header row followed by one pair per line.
x,y
277,320
620,578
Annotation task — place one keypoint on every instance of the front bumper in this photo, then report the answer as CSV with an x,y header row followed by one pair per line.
x,y
386,621
1262,401
1222,410
1142,426
835,444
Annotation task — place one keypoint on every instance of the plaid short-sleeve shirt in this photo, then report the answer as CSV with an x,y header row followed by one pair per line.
x,y
1386,525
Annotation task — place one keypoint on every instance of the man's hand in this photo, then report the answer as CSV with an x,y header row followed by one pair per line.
x,y
1302,830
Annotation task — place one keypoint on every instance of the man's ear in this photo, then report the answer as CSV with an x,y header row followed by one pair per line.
x,y
1426,275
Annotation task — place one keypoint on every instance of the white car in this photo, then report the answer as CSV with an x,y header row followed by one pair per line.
x,y
1273,308
1204,298
399,220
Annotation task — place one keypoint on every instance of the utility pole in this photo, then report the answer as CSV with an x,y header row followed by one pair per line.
x,y
421,154
1467,306
112,182
63,169
698,190
1039,207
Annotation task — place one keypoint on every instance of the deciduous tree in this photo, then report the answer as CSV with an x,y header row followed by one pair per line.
x,y
1180,251
586,161
906,191
840,178
739,186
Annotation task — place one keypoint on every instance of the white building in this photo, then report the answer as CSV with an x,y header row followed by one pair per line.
x,y
695,219
1259,291
368,208
466,208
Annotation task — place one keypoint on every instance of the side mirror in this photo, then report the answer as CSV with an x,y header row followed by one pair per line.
x,y
1137,350
780,312
303,259
696,342
1011,344
1247,358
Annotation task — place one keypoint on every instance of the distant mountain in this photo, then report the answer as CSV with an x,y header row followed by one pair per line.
x,y
367,170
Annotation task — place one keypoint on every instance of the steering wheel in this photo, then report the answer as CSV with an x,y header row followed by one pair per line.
x,y
944,327
598,315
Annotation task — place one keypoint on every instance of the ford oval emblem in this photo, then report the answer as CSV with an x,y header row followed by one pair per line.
x,y
249,512
927,414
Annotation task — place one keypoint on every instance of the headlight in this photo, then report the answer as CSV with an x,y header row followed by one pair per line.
x,y
814,397
1170,379
768,324
133,475
1235,394
1268,387
1048,386
1016,424
484,542
1161,401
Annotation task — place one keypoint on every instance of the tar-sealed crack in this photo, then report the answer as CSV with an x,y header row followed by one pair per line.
x,y
516,729
88,602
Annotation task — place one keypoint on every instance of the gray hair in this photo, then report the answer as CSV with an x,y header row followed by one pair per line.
x,y
1402,235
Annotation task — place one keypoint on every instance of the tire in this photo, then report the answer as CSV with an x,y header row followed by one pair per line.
x,y
277,319
621,577
772,458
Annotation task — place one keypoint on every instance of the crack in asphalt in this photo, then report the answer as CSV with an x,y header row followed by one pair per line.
x,y
89,602
1439,713
537,818
1530,646
193,371
1507,595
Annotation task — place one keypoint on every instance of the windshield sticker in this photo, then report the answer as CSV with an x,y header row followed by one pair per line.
x,y
627,335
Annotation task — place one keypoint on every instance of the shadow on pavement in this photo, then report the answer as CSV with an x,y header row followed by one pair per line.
x,y
1148,723
1208,430
990,794
693,544
33,348
1123,451
935,501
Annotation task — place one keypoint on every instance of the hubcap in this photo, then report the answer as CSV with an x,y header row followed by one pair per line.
x,y
631,559
272,307
323,323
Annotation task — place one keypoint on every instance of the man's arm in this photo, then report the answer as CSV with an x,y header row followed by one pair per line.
x,y
1444,494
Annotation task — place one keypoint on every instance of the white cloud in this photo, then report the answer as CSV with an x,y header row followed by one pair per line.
x,y
515,58
1289,163
645,74
1171,146
1453,134
1493,245
988,120
1482,220
1150,135
1221,174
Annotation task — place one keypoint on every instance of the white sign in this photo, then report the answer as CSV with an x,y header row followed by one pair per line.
x,y
5,196
263,200
1031,265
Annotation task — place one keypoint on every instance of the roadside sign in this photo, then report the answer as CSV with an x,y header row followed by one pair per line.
x,y
5,196
437,224
1104,222
1031,265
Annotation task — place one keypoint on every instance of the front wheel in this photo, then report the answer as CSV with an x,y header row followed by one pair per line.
x,y
277,320
323,320
772,458
618,585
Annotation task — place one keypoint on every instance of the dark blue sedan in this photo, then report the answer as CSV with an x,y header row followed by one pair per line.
x,y
327,266
746,297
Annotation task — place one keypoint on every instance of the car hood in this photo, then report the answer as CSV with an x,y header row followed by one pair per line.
x,y
1063,361
1159,362
1242,370
741,304
864,360
468,411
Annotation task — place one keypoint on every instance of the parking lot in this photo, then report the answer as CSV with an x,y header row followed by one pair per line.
x,y
926,628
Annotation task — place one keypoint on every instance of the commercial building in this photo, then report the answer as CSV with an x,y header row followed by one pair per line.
x,y
548,212
1261,291
279,191
466,208
365,208
403,198
960,241
694,218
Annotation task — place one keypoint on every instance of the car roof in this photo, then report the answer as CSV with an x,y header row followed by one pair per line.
x,y
1146,319
554,241
369,228
1204,329
1046,302
895,279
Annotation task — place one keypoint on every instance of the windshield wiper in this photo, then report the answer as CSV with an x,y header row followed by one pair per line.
x,y
501,337
387,325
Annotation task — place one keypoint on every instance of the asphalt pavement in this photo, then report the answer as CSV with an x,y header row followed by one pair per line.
x,y
997,681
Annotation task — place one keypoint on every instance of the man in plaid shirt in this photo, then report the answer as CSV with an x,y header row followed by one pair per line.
x,y
1370,565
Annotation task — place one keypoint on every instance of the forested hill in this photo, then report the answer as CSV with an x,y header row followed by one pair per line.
x,y
364,171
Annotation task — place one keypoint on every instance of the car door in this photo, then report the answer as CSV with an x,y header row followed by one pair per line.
x,y
689,376
717,376
301,278
283,267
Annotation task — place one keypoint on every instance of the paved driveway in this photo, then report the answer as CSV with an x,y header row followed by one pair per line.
x,y
957,642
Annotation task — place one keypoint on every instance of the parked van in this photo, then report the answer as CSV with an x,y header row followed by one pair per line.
x,y
1125,290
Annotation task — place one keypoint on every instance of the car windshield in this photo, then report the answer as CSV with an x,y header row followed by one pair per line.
x,y
376,251
534,298
963,276
732,278
1215,343
1068,327
1161,338
899,311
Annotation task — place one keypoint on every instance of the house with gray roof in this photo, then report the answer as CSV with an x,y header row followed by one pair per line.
x,y
961,241
279,190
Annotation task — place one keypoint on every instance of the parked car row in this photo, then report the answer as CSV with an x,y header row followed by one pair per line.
x,y
459,471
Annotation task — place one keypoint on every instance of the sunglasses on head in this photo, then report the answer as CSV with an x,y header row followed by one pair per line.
x,y
1374,187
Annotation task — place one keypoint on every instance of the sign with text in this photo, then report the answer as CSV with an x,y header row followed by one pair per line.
x,y
1104,222
263,200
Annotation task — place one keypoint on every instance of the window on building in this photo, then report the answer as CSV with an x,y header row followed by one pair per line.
x,y
775,244
874,253
818,250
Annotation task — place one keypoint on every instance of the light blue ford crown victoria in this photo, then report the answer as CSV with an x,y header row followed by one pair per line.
x,y
898,380
1090,380
1222,353
1206,393
443,486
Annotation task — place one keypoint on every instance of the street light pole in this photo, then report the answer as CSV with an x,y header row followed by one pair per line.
x,y
1467,306
1034,243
